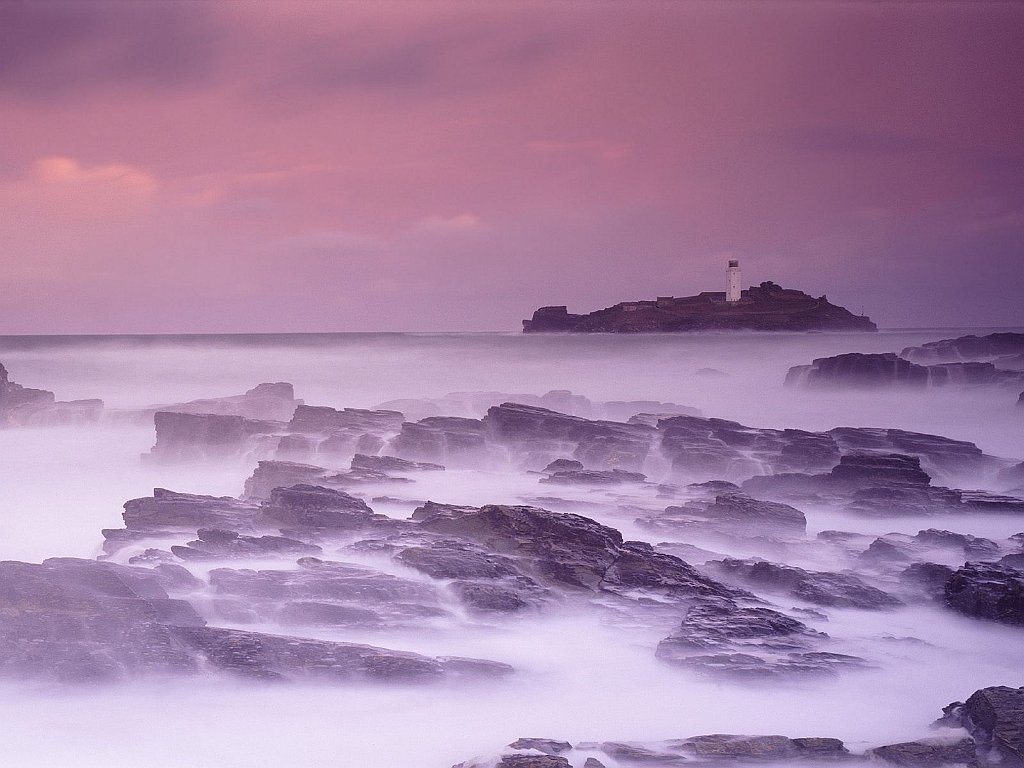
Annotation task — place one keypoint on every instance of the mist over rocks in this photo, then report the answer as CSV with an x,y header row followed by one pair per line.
x,y
24,406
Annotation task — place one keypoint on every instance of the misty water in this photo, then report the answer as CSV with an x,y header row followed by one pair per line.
x,y
578,675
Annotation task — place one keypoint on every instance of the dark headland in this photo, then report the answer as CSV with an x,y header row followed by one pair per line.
x,y
766,307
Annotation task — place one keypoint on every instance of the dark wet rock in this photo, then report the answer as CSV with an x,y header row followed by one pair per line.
x,y
269,475
214,544
987,591
856,369
929,754
532,431
392,464
82,620
973,547
447,440
966,348
862,470
456,560
309,419
273,401
726,747
593,477
715,486
269,657
640,754
533,761
995,719
722,638
169,509
323,589
194,437
982,501
568,550
1014,560
311,506
882,550
563,465
495,598
839,590
593,762
547,746
731,511
931,578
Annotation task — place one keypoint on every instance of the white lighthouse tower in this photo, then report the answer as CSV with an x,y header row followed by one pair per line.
x,y
732,281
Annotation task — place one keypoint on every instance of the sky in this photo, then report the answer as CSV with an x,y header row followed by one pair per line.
x,y
446,166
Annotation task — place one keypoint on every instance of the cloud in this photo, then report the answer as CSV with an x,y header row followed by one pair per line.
x,y
67,171
461,223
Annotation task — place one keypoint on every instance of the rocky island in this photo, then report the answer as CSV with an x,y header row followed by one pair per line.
x,y
765,307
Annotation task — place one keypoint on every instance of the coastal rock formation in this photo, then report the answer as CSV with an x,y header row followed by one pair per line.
x,y
967,348
766,307
987,591
856,369
22,406
995,719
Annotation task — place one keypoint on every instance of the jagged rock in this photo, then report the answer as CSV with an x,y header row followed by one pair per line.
x,y
168,509
929,577
392,464
447,440
188,437
973,547
311,506
309,419
23,406
533,761
530,430
987,591
271,657
265,402
547,746
214,544
838,590
722,747
764,307
970,347
593,762
929,754
563,465
995,718
732,511
862,470
721,637
593,477
455,560
857,369
567,550
269,475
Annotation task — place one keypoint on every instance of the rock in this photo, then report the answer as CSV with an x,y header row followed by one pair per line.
x,y
264,402
856,369
971,348
168,510
568,551
764,307
188,437
530,430
837,590
987,591
562,465
972,547
311,506
446,440
392,464
733,511
269,475
547,746
995,718
592,762
593,477
271,657
862,470
310,419
929,577
533,761
721,637
455,560
929,754
214,544
22,406
722,747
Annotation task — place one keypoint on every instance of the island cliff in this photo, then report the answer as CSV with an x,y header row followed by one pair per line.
x,y
766,307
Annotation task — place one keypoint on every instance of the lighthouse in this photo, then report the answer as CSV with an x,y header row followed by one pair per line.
x,y
732,281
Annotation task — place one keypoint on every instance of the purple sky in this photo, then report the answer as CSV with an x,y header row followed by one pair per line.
x,y
452,166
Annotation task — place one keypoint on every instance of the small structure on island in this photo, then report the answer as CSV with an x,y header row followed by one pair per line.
x,y
732,281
